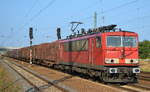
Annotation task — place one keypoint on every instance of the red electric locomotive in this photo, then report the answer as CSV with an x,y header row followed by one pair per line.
x,y
110,55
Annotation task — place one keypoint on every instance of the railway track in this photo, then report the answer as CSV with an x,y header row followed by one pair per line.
x,y
132,88
143,87
124,88
146,73
40,83
138,87
145,76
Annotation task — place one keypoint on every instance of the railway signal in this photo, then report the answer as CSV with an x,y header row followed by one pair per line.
x,y
31,37
31,33
58,33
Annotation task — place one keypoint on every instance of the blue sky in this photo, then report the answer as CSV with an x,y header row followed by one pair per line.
x,y
18,15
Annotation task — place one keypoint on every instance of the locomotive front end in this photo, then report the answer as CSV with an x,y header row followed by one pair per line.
x,y
121,56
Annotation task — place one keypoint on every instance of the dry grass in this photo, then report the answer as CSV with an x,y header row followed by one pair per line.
x,y
6,84
145,66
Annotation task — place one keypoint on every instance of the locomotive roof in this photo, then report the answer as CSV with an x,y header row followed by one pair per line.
x,y
92,35
82,37
93,32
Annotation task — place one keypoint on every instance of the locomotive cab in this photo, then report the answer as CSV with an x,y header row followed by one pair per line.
x,y
121,56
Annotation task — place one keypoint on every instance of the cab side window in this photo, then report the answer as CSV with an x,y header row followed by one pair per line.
x,y
98,42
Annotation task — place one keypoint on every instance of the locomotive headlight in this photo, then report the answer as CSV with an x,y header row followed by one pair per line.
x,y
113,70
111,61
131,61
136,70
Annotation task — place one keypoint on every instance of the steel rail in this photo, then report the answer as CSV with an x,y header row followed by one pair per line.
x,y
63,88
35,88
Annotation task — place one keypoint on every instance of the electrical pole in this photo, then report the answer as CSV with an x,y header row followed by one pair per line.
x,y
103,19
95,20
31,37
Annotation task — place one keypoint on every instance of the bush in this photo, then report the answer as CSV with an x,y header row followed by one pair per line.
x,y
144,49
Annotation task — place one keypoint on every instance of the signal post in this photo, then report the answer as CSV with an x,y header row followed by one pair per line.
x,y
31,38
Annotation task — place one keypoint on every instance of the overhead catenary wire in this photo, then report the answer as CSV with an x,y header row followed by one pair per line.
x,y
42,10
140,27
38,13
120,6
10,35
28,13
89,17
127,23
86,8
114,8
133,19
137,9
131,11
32,7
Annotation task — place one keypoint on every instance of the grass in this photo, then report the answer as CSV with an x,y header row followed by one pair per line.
x,y
145,66
6,84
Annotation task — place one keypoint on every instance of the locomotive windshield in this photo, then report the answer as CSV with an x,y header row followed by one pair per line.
x,y
121,41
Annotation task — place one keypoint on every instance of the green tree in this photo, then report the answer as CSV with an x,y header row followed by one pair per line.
x,y
144,49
